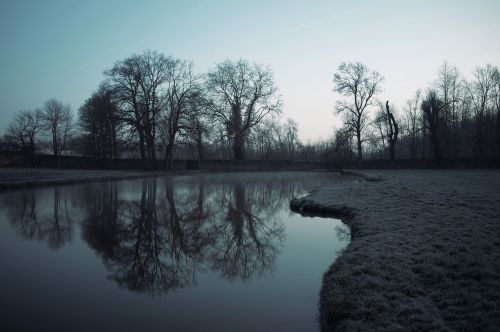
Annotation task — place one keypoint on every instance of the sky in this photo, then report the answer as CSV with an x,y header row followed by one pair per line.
x,y
59,49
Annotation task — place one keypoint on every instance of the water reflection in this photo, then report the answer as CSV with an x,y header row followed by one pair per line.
x,y
47,219
156,235
248,234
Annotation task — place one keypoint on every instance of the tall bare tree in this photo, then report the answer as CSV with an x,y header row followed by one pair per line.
x,y
99,121
342,145
432,107
291,137
359,86
393,132
58,121
181,103
412,122
241,95
449,87
480,90
137,84
388,127
496,105
198,126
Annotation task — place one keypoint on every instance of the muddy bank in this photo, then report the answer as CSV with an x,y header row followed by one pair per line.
x,y
424,254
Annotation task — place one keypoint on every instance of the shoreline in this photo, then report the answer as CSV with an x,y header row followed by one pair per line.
x,y
15,178
424,251
12,178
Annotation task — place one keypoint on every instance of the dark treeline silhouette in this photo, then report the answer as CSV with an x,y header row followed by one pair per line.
x,y
454,119
155,235
50,127
155,108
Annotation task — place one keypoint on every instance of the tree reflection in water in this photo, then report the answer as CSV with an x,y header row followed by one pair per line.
x,y
158,234
42,215
249,234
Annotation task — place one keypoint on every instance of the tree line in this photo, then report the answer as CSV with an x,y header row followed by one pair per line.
x,y
156,108
154,105
454,118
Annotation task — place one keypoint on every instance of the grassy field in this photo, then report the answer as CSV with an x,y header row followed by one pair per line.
x,y
425,251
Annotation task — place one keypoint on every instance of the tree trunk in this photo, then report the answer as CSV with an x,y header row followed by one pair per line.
x,y
152,149
32,152
360,151
436,145
199,145
431,109
55,146
239,146
142,149
392,150
169,160
424,142
479,137
412,147
393,131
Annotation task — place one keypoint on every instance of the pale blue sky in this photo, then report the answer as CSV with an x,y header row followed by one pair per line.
x,y
60,48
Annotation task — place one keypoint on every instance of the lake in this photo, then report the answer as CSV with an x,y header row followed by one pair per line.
x,y
212,252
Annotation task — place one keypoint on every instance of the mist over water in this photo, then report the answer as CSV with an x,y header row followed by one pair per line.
x,y
202,252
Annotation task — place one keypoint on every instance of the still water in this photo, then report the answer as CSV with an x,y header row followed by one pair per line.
x,y
218,252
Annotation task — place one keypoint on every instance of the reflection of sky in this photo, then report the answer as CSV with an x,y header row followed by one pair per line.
x,y
60,48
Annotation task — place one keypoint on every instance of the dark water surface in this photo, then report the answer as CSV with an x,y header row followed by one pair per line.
x,y
216,252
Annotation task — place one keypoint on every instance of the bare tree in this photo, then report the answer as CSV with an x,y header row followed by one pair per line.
x,y
378,135
273,139
359,86
432,107
99,120
449,87
23,132
181,98
137,84
198,127
392,131
480,90
58,121
342,147
291,137
388,128
240,95
265,139
496,105
412,122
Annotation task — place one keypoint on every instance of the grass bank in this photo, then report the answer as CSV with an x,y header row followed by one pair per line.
x,y
424,255
15,177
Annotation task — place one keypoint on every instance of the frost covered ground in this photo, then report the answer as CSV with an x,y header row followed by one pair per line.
x,y
12,178
425,251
